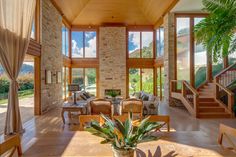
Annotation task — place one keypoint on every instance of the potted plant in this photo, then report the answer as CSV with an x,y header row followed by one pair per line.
x,y
124,137
113,94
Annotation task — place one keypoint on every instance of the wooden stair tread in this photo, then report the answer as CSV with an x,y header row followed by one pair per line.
x,y
214,115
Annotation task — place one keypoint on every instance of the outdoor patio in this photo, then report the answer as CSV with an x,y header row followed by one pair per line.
x,y
26,110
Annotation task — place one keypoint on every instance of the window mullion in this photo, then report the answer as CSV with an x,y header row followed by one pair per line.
x,y
140,50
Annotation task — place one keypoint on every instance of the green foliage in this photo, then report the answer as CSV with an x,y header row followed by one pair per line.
x,y
26,84
126,135
216,32
113,93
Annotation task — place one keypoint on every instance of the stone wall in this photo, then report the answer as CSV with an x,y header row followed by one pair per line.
x,y
169,53
51,56
112,59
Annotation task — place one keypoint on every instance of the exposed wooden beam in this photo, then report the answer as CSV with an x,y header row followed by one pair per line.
x,y
160,21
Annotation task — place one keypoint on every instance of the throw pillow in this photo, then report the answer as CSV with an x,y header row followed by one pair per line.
x,y
86,95
83,97
145,97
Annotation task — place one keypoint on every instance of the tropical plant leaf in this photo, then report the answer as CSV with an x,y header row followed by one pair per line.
x,y
123,136
216,31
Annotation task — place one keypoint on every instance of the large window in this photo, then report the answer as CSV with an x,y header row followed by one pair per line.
x,y
217,66
65,40
84,44
183,48
160,42
86,78
160,82
232,58
200,60
32,35
140,79
65,82
140,44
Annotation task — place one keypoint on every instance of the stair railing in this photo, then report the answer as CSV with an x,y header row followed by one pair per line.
x,y
188,95
226,76
221,81
224,96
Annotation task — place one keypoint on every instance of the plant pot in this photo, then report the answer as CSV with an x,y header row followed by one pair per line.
x,y
122,152
113,98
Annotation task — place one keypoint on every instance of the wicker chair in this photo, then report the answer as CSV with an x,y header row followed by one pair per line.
x,y
132,105
103,106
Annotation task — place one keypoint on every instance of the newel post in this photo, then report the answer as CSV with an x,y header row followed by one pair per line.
x,y
183,89
195,103
230,102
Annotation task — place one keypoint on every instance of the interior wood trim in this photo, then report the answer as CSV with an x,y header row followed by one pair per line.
x,y
37,21
159,62
37,86
191,48
66,61
140,63
141,28
84,63
186,14
154,81
84,28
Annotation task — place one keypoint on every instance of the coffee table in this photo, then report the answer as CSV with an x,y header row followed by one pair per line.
x,y
71,107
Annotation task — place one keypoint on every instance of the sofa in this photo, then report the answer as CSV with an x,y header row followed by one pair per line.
x,y
82,97
150,102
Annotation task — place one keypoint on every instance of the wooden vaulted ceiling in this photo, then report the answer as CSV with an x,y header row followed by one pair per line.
x,y
128,12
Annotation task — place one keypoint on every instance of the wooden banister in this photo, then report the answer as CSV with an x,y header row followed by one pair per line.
x,y
195,92
226,76
225,70
230,96
225,89
188,95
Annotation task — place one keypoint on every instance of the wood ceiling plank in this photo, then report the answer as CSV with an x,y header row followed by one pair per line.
x,y
98,12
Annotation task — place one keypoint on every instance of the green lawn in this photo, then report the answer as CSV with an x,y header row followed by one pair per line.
x,y
22,94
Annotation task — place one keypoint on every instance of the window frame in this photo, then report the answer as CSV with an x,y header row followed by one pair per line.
x,y
158,50
84,73
66,27
140,30
191,17
141,78
85,29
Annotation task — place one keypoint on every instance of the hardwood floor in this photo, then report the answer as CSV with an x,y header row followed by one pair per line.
x,y
189,137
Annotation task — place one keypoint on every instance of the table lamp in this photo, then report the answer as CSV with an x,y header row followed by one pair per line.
x,y
74,88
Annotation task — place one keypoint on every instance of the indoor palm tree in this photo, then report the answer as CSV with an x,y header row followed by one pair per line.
x,y
217,31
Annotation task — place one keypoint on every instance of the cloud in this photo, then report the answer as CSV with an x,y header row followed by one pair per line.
x,y
76,51
90,49
147,38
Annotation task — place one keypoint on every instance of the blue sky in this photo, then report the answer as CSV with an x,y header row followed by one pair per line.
x,y
90,44
134,40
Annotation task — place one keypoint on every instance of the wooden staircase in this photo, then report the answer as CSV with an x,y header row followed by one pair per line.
x,y
208,107
203,102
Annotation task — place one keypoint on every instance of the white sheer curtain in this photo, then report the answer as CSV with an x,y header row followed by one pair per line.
x,y
16,18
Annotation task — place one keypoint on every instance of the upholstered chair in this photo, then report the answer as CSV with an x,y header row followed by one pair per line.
x,y
103,106
132,105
